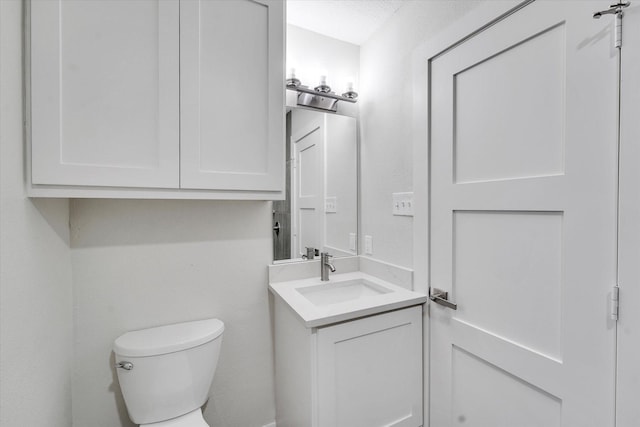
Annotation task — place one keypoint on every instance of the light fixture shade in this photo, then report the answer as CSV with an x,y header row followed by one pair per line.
x,y
351,94
292,81
323,87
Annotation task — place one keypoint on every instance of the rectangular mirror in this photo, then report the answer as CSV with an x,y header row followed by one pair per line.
x,y
321,206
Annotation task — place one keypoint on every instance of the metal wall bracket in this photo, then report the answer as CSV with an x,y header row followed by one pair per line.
x,y
615,9
318,101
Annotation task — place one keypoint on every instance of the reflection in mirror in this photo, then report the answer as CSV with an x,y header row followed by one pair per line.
x,y
321,206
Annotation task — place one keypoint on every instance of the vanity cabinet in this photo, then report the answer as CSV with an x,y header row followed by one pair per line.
x,y
365,372
156,99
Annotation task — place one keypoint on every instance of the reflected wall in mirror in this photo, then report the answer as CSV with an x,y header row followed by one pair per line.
x,y
321,206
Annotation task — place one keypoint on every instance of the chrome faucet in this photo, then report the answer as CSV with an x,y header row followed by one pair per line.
x,y
325,266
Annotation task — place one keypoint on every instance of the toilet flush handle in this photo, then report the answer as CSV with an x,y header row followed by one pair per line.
x,y
127,366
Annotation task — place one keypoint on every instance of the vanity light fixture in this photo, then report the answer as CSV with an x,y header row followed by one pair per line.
x,y
321,97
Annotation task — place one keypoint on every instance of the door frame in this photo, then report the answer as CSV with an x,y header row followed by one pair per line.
x,y
484,16
628,371
296,248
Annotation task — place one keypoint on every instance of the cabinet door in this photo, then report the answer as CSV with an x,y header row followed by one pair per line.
x,y
370,371
105,92
232,95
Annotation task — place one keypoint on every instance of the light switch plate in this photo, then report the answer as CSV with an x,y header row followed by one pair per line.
x,y
368,245
352,242
330,205
403,204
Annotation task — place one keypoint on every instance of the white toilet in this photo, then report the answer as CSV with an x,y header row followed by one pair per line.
x,y
165,373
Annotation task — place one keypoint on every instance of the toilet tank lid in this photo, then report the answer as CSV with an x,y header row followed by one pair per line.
x,y
167,339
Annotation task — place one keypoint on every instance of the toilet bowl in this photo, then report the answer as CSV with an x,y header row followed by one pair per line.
x,y
165,372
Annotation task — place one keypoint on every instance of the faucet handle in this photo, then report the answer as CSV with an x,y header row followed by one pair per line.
x,y
311,252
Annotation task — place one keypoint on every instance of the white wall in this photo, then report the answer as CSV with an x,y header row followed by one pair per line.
x,y
143,263
386,92
311,54
35,268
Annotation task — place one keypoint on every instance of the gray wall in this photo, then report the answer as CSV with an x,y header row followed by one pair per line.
x,y
143,263
35,267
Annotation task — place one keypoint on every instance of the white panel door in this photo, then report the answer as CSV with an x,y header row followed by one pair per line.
x,y
523,214
232,95
308,187
104,92
628,404
369,371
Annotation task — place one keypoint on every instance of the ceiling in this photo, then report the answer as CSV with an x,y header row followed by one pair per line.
x,y
353,21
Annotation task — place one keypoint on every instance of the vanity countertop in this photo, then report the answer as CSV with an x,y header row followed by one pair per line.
x,y
343,297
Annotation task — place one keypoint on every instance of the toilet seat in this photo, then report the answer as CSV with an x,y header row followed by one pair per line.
x,y
191,419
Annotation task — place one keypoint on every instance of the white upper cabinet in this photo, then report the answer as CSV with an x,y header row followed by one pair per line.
x,y
156,98
231,80
105,93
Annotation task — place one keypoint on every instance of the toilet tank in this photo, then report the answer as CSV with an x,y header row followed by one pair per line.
x,y
172,371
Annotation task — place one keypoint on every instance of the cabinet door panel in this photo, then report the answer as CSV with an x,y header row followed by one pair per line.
x,y
232,95
370,371
105,93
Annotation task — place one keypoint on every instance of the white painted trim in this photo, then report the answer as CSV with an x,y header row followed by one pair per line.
x,y
271,424
628,388
484,15
78,192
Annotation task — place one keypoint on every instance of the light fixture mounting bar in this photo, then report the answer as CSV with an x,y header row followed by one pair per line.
x,y
332,95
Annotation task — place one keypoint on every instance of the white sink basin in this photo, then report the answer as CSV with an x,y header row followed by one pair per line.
x,y
344,297
334,293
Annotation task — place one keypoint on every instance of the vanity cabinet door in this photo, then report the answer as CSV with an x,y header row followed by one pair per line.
x,y
104,89
232,95
370,371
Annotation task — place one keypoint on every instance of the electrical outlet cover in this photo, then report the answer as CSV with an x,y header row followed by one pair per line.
x,y
368,245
